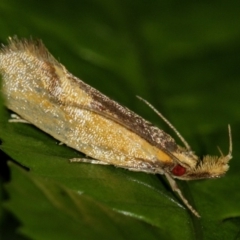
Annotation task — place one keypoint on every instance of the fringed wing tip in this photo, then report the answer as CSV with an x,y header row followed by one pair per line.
x,y
33,46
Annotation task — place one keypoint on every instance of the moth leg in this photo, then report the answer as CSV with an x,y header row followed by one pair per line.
x,y
17,119
175,188
88,160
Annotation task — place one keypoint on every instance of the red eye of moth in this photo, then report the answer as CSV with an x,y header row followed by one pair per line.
x,y
178,170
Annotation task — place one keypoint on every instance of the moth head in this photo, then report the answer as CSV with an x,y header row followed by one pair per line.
x,y
190,167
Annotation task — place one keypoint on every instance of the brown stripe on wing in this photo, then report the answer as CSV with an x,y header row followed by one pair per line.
x,y
108,108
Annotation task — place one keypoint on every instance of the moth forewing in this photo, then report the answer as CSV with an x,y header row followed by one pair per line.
x,y
41,91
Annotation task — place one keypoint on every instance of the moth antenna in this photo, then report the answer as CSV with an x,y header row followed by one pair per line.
x,y
219,149
230,142
167,122
229,155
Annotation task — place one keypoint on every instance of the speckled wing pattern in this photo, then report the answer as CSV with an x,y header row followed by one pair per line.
x,y
108,108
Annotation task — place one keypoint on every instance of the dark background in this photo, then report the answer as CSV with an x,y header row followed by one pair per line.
x,y
181,57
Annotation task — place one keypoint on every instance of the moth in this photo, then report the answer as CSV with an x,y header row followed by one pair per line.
x,y
41,91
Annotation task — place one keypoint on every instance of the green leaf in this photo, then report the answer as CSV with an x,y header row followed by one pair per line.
x,y
56,212
184,59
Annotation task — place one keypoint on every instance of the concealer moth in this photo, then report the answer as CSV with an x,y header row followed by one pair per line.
x,y
41,91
